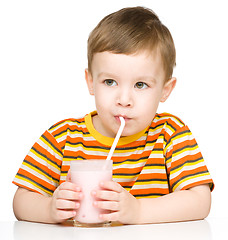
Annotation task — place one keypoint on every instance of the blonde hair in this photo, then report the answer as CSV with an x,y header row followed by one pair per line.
x,y
131,30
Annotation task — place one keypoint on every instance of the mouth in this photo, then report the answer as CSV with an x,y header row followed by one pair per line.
x,y
117,117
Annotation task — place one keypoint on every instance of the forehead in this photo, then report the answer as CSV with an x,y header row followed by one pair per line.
x,y
138,64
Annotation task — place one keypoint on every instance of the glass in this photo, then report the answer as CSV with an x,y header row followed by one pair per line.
x,y
88,174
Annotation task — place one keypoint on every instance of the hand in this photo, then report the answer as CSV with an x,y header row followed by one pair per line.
x,y
65,201
124,207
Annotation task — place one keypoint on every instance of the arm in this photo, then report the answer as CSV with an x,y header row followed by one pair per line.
x,y
192,204
32,206
183,205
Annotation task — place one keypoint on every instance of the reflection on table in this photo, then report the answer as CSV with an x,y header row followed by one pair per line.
x,y
178,231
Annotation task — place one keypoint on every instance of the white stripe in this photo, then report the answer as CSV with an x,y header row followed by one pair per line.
x,y
126,180
156,155
152,185
153,170
131,166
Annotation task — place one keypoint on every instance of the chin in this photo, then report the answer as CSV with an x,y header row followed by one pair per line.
x,y
127,134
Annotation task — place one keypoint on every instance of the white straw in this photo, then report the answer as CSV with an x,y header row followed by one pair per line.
x,y
122,124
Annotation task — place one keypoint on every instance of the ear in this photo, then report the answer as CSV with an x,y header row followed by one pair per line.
x,y
168,88
89,81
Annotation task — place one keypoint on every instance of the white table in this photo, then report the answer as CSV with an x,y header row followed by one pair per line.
x,y
202,230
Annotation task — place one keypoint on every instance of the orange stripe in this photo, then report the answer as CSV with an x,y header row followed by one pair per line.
x,y
158,176
127,170
149,191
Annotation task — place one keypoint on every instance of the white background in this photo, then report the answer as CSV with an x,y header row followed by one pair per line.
x,y
42,62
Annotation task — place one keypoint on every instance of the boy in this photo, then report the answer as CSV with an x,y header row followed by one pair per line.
x,y
159,174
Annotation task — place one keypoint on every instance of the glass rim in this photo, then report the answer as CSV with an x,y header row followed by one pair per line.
x,y
91,163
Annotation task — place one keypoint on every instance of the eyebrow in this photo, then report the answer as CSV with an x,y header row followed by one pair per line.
x,y
110,75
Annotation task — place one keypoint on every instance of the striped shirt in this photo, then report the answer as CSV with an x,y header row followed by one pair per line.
x,y
161,159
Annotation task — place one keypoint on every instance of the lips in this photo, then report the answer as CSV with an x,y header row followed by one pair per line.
x,y
117,117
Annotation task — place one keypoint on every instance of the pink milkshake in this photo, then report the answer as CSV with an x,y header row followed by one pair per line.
x,y
88,174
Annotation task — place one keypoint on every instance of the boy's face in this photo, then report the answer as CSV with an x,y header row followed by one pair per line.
x,y
126,85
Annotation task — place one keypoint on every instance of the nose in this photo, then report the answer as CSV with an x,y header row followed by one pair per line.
x,y
124,98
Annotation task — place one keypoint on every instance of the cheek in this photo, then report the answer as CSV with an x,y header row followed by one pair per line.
x,y
147,106
149,101
103,99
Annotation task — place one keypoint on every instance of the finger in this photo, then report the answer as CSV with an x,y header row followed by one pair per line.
x,y
65,214
69,195
106,195
107,205
69,186
114,216
64,204
111,185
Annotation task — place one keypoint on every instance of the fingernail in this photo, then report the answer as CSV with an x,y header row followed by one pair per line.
x,y
77,205
94,193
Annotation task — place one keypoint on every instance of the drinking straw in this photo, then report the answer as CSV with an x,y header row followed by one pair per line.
x,y
122,124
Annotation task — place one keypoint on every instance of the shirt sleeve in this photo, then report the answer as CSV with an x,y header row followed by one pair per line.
x,y
41,168
185,164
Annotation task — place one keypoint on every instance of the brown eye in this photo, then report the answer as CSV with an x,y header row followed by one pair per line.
x,y
141,85
110,82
